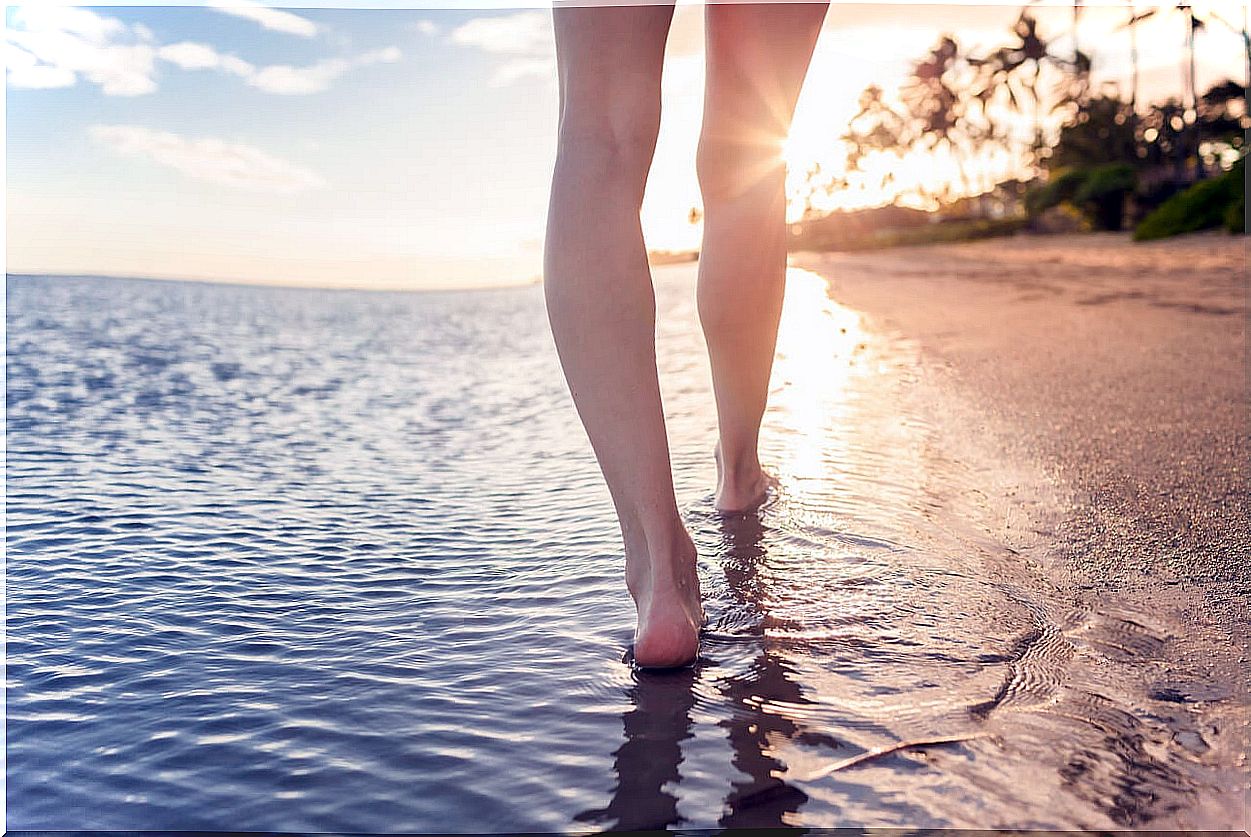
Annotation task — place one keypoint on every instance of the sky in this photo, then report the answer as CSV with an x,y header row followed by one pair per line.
x,y
399,147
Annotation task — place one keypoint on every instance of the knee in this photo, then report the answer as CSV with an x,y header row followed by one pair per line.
x,y
609,145
733,164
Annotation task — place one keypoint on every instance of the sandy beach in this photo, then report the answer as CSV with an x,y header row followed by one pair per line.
x,y
1117,371
1121,366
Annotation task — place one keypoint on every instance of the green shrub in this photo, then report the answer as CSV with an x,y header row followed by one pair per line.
x,y
1060,187
1105,180
1102,194
1236,215
1099,192
1203,206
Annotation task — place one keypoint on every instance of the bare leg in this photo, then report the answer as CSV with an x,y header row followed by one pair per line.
x,y
758,55
602,307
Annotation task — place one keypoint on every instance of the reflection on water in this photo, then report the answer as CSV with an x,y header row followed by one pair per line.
x,y
762,799
647,765
312,561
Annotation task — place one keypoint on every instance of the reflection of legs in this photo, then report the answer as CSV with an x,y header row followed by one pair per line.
x,y
602,307
762,799
757,57
646,764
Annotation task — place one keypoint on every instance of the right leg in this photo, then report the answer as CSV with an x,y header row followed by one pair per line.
x,y
758,55
602,307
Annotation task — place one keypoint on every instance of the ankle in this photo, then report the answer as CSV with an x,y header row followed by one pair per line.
x,y
661,545
665,577
673,563
739,467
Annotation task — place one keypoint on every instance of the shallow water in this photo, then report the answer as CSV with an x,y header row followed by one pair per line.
x,y
337,561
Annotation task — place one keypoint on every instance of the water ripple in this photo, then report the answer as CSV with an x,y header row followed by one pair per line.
x,y
332,561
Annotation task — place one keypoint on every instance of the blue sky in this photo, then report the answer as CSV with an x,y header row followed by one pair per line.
x,y
376,147
393,149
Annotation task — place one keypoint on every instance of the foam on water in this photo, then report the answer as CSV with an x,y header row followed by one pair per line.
x,y
333,561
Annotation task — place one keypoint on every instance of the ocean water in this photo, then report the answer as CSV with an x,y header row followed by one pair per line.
x,y
332,561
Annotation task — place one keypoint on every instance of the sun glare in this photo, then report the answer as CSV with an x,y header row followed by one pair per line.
x,y
818,343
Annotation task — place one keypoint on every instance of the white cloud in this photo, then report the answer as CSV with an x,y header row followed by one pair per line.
x,y
522,33
386,55
83,23
517,69
49,46
282,79
273,19
285,79
26,70
190,56
193,56
209,159
427,27
525,37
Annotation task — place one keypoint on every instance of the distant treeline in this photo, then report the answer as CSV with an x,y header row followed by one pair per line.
x,y
1085,160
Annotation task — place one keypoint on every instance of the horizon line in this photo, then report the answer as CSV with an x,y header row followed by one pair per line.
x,y
199,280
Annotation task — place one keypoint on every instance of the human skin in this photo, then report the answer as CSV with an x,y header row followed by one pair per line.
x,y
598,286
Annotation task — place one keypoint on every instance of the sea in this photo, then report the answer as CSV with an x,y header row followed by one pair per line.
x,y
298,560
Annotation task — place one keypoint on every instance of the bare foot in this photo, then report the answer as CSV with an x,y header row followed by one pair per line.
x,y
665,587
740,489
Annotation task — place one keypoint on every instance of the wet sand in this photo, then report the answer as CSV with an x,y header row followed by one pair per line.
x,y
1118,372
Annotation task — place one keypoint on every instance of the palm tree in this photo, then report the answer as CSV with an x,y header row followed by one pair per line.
x,y
1246,37
1193,25
934,101
1018,68
1077,52
1135,18
1190,93
877,127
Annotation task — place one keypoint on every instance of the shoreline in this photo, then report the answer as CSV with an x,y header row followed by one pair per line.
x,y
1120,366
1107,380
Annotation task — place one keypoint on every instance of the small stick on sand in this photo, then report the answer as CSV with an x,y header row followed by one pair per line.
x,y
884,751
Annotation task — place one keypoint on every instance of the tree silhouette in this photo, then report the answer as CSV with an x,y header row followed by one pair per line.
x,y
939,114
876,127
961,105
1019,70
1135,18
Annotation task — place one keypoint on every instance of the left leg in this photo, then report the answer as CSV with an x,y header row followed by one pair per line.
x,y
758,56
602,306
